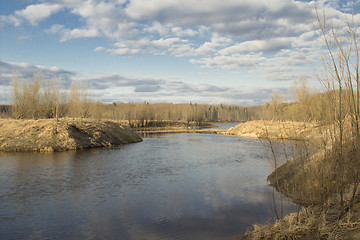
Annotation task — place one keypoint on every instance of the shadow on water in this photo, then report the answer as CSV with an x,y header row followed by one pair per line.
x,y
173,186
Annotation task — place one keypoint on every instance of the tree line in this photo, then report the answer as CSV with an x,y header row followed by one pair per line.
x,y
39,98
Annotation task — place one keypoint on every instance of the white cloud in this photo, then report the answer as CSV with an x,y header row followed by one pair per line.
x,y
68,34
109,87
180,32
227,17
182,28
269,45
123,51
257,35
108,18
34,14
217,42
173,46
165,43
79,33
157,27
139,43
26,71
230,62
38,12
99,49
10,19
115,87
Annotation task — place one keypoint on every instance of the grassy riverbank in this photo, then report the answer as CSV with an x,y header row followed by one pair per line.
x,y
320,218
48,135
329,195
288,130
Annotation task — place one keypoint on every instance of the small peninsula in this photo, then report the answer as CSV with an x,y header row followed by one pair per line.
x,y
50,135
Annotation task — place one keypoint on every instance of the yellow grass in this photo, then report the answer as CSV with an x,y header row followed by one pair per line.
x,y
276,130
66,134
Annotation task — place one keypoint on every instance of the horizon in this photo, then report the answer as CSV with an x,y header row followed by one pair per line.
x,y
228,52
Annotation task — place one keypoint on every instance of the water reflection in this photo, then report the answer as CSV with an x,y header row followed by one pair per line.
x,y
175,186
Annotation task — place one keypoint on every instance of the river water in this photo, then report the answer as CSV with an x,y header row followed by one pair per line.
x,y
172,186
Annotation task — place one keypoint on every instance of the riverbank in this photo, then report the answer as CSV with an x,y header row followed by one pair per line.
x,y
277,130
49,135
311,223
162,127
311,180
166,124
165,131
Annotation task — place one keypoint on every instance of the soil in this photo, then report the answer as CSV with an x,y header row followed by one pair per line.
x,y
49,135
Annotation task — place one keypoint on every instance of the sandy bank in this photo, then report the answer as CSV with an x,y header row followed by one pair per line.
x,y
276,130
66,134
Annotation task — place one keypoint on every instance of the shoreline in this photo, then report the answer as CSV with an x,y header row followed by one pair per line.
x,y
167,127
168,131
49,135
277,130
303,179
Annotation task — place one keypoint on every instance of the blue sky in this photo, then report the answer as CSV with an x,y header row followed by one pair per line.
x,y
228,51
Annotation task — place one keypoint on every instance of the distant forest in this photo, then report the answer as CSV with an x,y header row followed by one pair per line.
x,y
142,112
41,98
44,99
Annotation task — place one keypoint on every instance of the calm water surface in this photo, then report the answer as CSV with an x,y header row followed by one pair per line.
x,y
174,186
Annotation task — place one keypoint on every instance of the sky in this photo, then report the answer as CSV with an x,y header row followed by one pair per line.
x,y
200,51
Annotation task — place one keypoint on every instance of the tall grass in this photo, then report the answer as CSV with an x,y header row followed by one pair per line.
x,y
327,170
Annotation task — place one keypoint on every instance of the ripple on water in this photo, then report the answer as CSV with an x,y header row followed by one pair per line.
x,y
179,186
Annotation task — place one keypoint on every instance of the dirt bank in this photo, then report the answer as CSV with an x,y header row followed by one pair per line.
x,y
312,180
296,178
276,130
66,134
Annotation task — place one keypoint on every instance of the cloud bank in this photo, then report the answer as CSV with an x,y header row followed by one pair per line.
x,y
110,88
275,38
213,34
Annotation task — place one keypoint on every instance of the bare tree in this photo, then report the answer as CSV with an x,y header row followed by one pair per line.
x,y
27,98
79,102
342,85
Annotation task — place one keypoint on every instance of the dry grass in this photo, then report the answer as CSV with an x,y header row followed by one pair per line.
x,y
312,180
277,130
65,134
311,223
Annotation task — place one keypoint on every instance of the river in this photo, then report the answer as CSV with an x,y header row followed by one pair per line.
x,y
171,186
